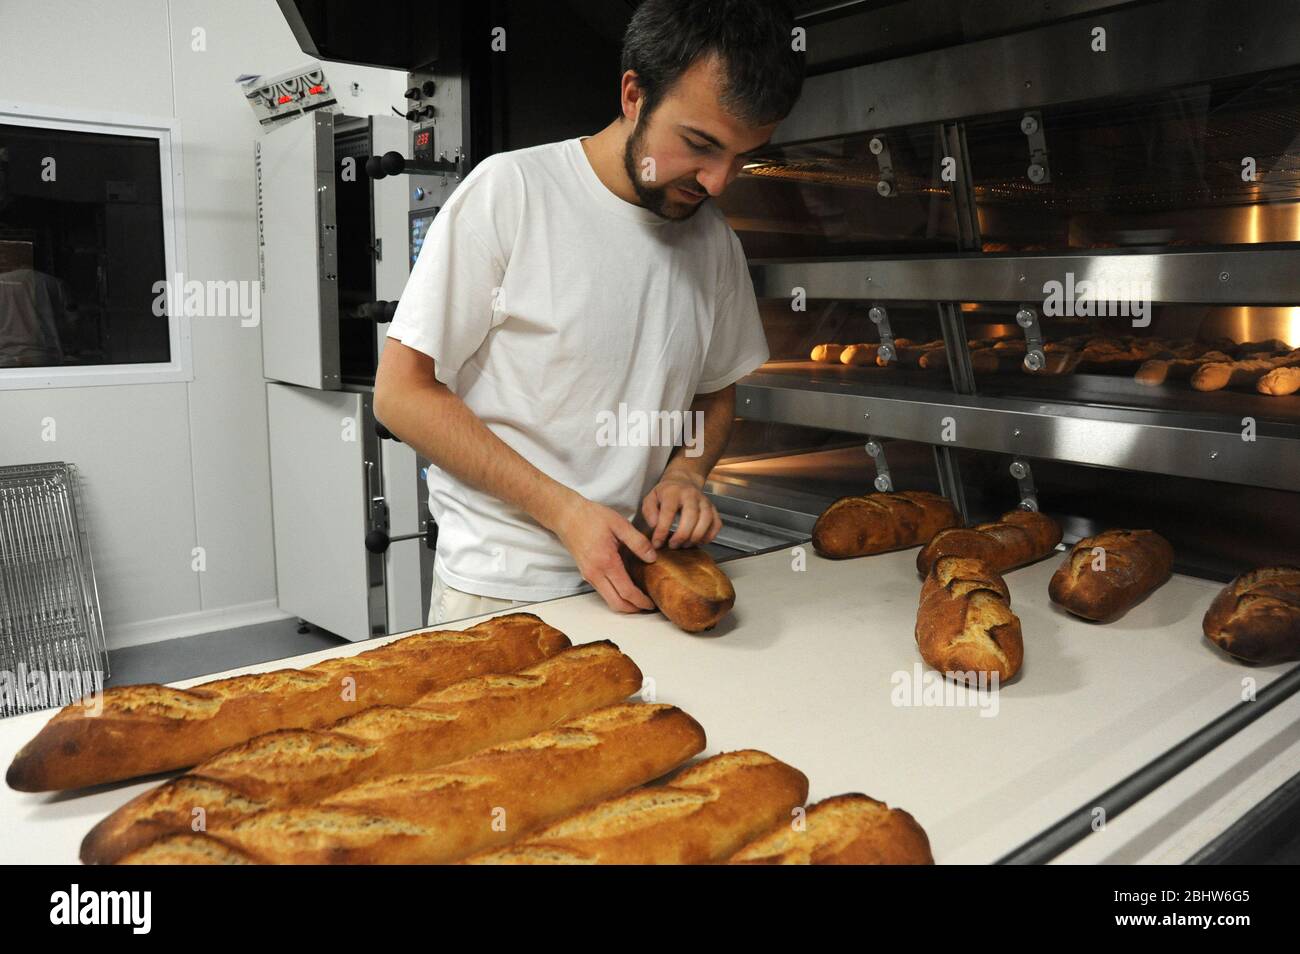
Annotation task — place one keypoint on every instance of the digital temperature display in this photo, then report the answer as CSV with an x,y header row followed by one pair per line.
x,y
423,144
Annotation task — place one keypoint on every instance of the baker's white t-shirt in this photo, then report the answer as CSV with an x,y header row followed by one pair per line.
x,y
569,321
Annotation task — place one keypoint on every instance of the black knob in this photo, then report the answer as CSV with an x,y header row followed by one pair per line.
x,y
376,541
390,311
427,87
412,115
413,92
375,168
427,112
393,163
384,433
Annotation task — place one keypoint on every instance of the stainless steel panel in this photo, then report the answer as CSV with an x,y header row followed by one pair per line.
x,y
300,340
1148,47
1256,276
1122,439
320,444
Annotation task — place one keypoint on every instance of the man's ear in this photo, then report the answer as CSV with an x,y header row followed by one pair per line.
x,y
631,97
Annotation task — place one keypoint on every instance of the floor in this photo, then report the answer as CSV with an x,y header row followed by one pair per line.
x,y
184,658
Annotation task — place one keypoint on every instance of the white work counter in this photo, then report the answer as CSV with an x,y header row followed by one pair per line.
x,y
805,666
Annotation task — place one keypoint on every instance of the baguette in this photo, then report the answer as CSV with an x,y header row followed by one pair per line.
x,y
964,625
860,354
299,766
1256,617
1157,371
826,353
982,360
878,523
486,800
686,585
1279,382
146,729
186,849
1020,537
844,830
1245,373
702,815
1136,562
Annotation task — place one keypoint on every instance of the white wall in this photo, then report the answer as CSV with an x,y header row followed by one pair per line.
x,y
169,467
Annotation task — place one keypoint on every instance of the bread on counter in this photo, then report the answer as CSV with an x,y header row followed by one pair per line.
x,y
146,729
964,624
1019,537
686,585
489,799
847,829
1256,617
702,815
1136,562
877,523
299,766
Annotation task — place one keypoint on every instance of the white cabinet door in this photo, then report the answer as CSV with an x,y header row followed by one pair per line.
x,y
297,251
323,450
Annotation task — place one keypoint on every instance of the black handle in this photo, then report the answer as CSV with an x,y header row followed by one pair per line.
x,y
384,433
377,541
377,311
394,163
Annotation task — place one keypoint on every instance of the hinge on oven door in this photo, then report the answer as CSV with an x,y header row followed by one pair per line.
x,y
876,451
1035,357
880,318
1025,484
1031,124
879,147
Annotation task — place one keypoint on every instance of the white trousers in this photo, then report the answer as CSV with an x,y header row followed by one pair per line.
x,y
447,604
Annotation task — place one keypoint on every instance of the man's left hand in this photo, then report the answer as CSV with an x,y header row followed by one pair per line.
x,y
680,494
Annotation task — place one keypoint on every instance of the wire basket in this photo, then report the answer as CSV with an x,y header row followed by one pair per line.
x,y
52,649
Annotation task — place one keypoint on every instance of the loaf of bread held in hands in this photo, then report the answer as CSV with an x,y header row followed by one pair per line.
x,y
1256,617
1104,575
300,766
489,799
844,830
686,585
878,523
150,728
964,624
1019,537
701,815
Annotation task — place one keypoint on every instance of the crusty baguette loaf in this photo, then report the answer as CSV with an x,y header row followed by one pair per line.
x,y
299,766
1256,617
877,523
187,849
982,360
686,585
826,353
844,830
1245,373
150,728
1157,371
1020,537
964,625
486,800
1135,563
702,815
860,354
1279,382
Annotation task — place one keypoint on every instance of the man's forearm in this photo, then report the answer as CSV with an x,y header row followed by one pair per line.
x,y
710,439
437,423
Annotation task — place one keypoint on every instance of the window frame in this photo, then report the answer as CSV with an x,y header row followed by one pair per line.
x,y
172,190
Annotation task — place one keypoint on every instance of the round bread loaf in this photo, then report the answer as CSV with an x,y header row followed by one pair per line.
x,y
1256,617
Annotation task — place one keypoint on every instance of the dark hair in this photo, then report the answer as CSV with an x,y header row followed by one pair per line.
x,y
763,74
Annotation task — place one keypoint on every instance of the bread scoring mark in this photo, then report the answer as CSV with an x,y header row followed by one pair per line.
x,y
187,849
399,786
323,826
311,752
158,701
188,792
372,725
533,855
618,816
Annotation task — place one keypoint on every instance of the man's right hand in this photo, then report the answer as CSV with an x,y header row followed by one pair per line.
x,y
592,532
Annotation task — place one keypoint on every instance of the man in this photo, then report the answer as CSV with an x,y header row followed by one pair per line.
x,y
567,285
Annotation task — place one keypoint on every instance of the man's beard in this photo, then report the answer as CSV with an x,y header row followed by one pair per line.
x,y
654,198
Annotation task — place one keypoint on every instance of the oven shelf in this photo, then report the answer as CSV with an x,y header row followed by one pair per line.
x,y
1185,441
